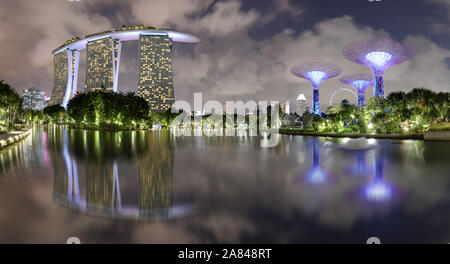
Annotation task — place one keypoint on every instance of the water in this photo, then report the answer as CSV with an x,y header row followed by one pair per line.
x,y
153,187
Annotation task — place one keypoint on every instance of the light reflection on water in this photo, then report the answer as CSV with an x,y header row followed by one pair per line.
x,y
141,186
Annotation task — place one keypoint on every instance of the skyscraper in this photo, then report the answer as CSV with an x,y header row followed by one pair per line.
x,y
103,52
66,64
155,71
34,99
61,77
302,104
103,56
284,106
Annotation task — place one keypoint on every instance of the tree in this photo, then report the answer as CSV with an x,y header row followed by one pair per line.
x,y
105,109
54,114
10,104
345,103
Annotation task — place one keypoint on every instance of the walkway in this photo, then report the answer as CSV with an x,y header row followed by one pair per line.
x,y
7,139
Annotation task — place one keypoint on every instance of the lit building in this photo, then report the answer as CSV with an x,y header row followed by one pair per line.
x,y
284,106
302,104
103,57
34,99
66,64
316,73
155,71
60,77
155,82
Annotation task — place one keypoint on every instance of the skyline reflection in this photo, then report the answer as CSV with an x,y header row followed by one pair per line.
x,y
98,190
149,186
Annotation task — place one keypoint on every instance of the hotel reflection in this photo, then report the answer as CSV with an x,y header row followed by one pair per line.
x,y
103,191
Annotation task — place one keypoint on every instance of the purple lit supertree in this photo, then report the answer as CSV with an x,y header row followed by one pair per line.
x,y
316,73
378,54
360,81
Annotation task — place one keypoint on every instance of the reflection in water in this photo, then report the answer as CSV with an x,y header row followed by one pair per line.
x,y
103,196
241,192
378,190
316,174
155,178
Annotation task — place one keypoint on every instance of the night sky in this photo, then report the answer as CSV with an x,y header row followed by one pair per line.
x,y
246,48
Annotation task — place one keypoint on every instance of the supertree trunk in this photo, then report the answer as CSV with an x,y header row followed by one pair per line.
x,y
361,99
378,88
316,101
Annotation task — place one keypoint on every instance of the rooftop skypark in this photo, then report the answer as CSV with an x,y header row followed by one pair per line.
x,y
138,28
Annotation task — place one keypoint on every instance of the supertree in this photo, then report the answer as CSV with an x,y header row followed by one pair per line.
x,y
360,81
316,73
378,54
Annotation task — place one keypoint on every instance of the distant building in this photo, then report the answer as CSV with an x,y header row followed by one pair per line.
x,y
34,99
46,101
284,106
302,105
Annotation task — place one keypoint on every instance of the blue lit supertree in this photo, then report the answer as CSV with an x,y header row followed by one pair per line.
x,y
378,54
316,73
360,81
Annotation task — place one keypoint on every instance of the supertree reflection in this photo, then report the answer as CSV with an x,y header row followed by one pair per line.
x,y
316,174
378,190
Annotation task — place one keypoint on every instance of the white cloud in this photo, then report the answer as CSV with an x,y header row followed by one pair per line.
x,y
227,63
240,67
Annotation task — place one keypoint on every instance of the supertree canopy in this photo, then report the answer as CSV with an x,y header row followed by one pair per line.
x,y
316,73
360,81
378,54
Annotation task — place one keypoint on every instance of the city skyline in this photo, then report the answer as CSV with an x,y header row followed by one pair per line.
x,y
245,60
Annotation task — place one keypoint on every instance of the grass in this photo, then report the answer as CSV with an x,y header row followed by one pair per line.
x,y
440,127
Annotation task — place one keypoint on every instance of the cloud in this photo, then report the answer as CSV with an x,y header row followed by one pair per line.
x,y
240,67
227,64
31,30
445,4
167,12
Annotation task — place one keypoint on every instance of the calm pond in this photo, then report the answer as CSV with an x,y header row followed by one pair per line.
x,y
154,187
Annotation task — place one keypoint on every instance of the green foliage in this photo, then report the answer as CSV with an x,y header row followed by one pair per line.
x,y
10,105
108,110
54,114
440,127
400,112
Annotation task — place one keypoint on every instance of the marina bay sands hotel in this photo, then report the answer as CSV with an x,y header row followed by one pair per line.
x,y
103,50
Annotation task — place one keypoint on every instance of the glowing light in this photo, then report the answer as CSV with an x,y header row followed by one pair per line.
x,y
316,76
372,141
379,58
361,84
370,126
345,140
378,192
317,176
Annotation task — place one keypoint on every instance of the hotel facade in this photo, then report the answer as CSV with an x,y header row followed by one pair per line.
x,y
103,50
